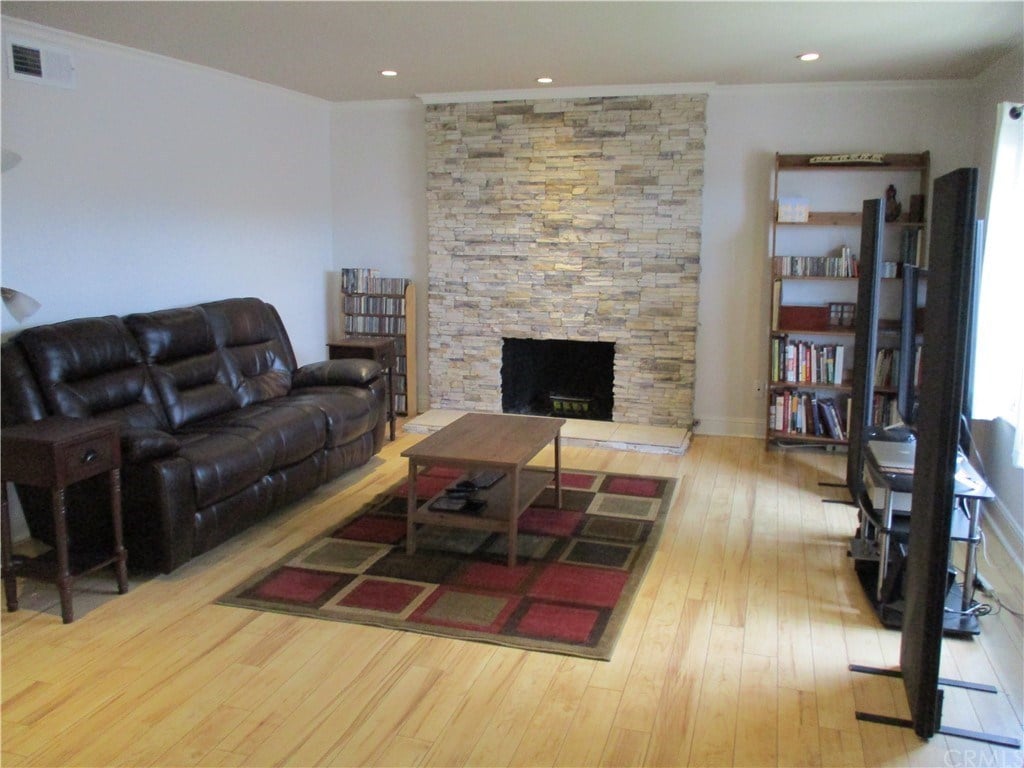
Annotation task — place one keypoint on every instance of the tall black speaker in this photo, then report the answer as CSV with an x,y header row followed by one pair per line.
x,y
865,343
943,373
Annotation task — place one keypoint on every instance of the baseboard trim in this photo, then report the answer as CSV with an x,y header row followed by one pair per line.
x,y
729,427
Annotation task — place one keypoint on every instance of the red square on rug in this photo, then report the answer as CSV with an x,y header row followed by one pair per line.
x,y
577,480
579,584
294,585
549,522
633,486
375,528
558,622
494,577
381,595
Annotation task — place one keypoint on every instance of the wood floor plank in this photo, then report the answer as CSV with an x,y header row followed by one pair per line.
x,y
757,727
586,736
511,719
471,719
544,736
675,721
715,730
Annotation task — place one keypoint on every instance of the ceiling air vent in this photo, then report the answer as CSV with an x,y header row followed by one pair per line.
x,y
36,63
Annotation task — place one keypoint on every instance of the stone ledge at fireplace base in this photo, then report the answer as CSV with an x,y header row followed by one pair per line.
x,y
581,432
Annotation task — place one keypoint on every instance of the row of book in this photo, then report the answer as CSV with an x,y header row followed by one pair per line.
x,y
804,413
364,304
887,367
365,280
372,324
884,411
806,362
844,265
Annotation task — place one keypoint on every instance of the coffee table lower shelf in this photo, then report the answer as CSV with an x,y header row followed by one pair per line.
x,y
501,514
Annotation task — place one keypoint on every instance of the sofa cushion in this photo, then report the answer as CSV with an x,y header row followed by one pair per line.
x,y
348,414
187,368
92,367
223,462
286,432
258,356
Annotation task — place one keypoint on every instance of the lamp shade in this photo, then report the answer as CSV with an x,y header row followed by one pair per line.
x,y
19,304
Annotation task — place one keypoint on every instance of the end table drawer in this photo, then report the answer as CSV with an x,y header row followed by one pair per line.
x,y
86,458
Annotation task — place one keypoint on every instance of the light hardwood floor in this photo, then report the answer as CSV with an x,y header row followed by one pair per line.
x,y
735,653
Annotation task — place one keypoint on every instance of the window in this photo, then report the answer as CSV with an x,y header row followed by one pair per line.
x,y
999,353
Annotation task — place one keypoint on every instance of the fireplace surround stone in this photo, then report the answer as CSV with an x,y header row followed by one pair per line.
x,y
574,219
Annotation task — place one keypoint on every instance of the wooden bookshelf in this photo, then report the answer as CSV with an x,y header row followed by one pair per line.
x,y
813,265
376,306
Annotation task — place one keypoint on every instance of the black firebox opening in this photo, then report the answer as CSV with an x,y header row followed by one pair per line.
x,y
572,379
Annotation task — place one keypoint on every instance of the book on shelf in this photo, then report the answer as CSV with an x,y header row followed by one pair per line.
x,y
830,415
844,265
800,361
367,280
798,412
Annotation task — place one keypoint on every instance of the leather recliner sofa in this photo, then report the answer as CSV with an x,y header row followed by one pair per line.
x,y
219,426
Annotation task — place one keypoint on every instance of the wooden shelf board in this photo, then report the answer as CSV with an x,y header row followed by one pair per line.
x,y
892,161
803,438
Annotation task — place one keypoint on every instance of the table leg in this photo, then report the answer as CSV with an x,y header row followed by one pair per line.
x,y
971,564
391,400
558,469
410,507
10,580
513,520
121,566
60,534
884,540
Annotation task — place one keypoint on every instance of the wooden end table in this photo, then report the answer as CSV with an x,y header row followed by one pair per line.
x,y
481,441
378,348
55,453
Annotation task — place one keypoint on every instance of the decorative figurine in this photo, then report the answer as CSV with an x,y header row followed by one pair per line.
x,y
892,206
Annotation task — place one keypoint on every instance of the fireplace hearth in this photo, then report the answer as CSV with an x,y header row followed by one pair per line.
x,y
571,379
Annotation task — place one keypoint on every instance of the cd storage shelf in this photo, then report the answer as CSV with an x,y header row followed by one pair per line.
x,y
384,306
813,277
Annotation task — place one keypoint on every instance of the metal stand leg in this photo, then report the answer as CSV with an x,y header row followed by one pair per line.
x,y
988,738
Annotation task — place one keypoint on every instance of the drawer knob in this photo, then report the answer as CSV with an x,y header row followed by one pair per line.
x,y
89,456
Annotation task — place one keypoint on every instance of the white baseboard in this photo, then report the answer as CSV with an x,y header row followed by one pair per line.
x,y
998,521
729,427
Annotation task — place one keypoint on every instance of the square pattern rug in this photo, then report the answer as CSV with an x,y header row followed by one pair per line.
x,y
579,567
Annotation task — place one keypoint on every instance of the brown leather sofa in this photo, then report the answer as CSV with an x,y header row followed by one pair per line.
x,y
219,426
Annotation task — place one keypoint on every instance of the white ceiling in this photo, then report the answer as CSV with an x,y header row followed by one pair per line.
x,y
334,50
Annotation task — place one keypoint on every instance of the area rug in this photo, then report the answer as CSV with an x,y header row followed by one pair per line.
x,y
578,567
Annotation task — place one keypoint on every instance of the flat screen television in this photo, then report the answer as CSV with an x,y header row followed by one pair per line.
x,y
946,350
864,345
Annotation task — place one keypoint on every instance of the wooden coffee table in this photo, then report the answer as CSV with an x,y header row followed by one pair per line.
x,y
483,441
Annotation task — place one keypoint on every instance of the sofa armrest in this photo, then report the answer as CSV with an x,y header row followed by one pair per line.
x,y
350,371
142,445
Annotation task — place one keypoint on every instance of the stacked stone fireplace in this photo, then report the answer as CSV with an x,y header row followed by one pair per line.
x,y
574,220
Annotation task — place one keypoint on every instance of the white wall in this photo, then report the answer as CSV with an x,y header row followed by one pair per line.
x,y
747,125
157,184
379,211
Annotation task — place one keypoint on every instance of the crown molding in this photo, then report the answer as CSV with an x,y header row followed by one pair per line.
x,y
566,92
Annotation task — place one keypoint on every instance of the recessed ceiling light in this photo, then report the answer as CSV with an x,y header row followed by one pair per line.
x,y
388,73
810,56
544,80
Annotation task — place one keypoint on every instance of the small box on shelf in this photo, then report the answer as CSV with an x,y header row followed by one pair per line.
x,y
794,210
803,318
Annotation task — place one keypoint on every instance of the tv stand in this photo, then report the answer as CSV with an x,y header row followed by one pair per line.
x,y
877,550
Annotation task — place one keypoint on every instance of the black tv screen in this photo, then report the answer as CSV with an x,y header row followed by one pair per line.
x,y
943,375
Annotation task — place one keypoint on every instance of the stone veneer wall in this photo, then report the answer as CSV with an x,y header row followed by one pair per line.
x,y
566,219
